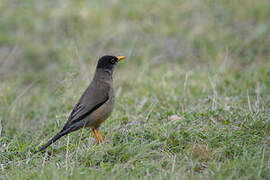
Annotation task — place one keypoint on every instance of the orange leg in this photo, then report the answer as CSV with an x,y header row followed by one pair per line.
x,y
93,130
101,139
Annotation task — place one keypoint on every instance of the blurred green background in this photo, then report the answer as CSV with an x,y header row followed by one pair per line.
x,y
205,61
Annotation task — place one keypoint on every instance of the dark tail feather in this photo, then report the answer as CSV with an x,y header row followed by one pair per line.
x,y
56,137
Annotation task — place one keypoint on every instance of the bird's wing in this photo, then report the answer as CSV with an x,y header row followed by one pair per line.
x,y
94,97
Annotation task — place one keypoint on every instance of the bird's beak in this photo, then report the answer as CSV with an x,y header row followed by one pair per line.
x,y
120,58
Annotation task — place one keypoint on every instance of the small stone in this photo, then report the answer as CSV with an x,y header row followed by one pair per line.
x,y
174,118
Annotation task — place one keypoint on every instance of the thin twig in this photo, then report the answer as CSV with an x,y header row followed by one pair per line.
x,y
257,102
249,104
67,157
214,99
185,91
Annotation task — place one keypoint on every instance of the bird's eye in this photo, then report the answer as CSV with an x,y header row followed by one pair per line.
x,y
112,61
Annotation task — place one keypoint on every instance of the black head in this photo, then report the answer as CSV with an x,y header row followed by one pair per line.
x,y
108,62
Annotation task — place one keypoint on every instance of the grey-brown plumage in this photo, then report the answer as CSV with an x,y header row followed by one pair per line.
x,y
96,104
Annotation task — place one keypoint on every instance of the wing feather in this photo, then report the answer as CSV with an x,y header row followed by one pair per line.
x,y
91,100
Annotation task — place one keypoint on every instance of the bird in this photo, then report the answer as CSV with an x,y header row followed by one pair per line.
x,y
96,103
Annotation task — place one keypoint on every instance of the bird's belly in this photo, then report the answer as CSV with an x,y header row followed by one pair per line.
x,y
101,114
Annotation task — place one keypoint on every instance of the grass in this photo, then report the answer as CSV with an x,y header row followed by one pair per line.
x,y
205,61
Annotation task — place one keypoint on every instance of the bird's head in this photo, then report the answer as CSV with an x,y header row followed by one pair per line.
x,y
108,62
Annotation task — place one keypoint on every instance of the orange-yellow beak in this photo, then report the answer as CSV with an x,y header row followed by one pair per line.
x,y
120,58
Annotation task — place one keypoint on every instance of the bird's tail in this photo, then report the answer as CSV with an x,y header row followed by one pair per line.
x,y
56,137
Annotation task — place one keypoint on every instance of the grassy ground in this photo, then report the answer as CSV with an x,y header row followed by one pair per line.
x,y
205,61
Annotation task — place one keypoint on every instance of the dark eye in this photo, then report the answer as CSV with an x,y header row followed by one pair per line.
x,y
113,61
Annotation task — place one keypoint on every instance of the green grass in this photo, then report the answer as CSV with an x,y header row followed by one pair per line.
x,y
208,62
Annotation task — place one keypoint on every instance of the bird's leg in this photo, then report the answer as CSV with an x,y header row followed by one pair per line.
x,y
101,139
93,130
